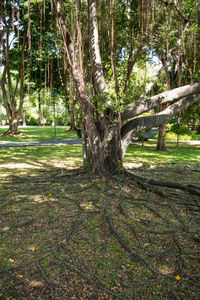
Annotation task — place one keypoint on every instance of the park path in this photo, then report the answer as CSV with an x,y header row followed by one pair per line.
x,y
53,142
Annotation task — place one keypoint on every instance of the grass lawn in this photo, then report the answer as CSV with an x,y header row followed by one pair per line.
x,y
76,236
36,133
187,153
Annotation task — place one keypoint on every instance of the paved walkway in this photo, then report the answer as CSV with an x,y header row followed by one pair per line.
x,y
60,142
54,142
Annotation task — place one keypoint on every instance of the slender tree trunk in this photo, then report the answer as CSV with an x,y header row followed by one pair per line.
x,y
39,110
161,146
131,62
112,50
161,138
177,142
24,118
72,106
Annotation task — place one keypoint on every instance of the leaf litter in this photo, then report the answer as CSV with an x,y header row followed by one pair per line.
x,y
71,235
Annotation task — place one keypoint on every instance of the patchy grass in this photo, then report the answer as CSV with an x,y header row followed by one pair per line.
x,y
68,235
38,133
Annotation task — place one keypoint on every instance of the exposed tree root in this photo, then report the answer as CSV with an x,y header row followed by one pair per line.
x,y
12,133
174,293
134,254
89,277
163,184
107,232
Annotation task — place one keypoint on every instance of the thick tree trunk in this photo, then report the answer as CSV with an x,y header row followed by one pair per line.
x,y
13,125
104,142
104,156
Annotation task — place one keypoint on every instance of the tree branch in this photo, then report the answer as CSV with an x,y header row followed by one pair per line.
x,y
94,49
145,104
134,126
139,124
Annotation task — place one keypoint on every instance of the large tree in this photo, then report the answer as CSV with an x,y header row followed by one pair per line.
x,y
106,131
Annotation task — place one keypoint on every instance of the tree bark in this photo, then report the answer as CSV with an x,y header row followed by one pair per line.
x,y
161,138
14,124
39,110
112,50
24,118
162,128
13,113
104,141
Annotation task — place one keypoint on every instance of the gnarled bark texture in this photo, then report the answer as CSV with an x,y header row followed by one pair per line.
x,y
105,142
102,147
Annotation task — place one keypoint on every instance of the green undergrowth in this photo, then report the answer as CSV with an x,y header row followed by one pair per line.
x,y
184,137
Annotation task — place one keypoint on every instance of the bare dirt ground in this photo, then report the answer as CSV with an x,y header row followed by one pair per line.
x,y
70,235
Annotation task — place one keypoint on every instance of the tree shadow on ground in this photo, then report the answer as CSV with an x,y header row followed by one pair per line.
x,y
68,235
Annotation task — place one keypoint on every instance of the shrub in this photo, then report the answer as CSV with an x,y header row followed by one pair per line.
x,y
180,132
78,131
60,120
49,122
32,121
198,130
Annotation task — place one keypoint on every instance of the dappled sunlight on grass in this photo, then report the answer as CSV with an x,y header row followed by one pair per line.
x,y
19,166
24,159
70,156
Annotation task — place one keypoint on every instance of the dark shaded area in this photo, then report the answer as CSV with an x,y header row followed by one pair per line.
x,y
70,234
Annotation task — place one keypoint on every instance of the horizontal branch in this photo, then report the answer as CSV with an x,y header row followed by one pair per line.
x,y
145,104
139,124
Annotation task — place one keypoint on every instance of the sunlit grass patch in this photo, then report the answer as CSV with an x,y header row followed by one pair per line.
x,y
137,155
37,133
27,158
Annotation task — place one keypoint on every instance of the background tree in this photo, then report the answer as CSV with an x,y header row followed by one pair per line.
x,y
13,37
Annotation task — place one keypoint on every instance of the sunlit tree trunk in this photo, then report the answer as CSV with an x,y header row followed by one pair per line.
x,y
161,138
